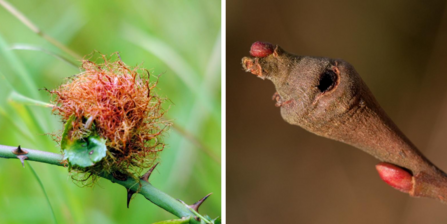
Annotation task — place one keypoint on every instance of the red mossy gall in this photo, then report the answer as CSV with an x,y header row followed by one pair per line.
x,y
261,49
395,177
119,104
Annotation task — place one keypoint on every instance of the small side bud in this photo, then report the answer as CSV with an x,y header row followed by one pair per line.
x,y
261,49
395,176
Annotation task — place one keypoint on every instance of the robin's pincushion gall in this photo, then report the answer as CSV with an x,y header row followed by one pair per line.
x,y
113,103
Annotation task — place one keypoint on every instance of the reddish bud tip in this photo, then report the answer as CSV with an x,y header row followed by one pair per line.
x,y
395,176
261,49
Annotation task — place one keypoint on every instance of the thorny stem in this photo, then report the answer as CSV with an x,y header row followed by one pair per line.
x,y
151,193
196,213
36,29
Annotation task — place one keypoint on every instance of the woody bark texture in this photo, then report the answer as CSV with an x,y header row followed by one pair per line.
x,y
328,98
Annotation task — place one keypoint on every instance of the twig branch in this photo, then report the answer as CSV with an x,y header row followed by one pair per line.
x,y
144,188
342,108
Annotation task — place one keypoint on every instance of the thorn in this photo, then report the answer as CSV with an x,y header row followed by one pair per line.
x,y
19,151
130,193
146,176
22,159
196,205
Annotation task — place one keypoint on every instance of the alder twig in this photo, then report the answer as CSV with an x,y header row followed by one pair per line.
x,y
143,187
328,98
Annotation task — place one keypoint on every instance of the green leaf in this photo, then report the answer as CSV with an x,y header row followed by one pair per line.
x,y
205,219
82,152
19,98
85,152
175,221
67,128
34,48
218,220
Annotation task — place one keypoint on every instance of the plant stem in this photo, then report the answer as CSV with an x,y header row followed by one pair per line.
x,y
144,188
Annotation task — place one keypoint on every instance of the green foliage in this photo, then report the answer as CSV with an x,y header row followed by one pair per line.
x,y
188,220
82,152
85,152
190,29
175,221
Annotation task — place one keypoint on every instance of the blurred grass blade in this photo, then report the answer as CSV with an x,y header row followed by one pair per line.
x,y
164,52
195,124
34,48
16,99
43,189
35,29
212,71
22,129
19,98
193,139
211,82
15,64
171,58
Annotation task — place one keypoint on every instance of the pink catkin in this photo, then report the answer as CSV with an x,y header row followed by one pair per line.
x,y
396,177
261,49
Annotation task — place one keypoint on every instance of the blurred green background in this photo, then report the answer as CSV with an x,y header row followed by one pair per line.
x,y
179,39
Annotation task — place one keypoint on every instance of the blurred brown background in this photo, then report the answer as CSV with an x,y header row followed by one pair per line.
x,y
279,173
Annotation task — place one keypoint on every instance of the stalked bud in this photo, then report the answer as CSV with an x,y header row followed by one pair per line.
x,y
396,177
261,49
